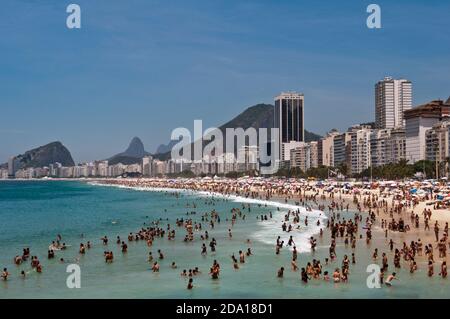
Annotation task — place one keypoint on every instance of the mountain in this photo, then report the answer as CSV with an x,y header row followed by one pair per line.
x,y
163,148
135,149
133,154
44,156
257,116
260,116
311,137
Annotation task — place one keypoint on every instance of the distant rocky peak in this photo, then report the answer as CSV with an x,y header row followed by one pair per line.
x,y
135,149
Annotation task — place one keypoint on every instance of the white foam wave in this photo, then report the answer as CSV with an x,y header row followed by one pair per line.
x,y
271,228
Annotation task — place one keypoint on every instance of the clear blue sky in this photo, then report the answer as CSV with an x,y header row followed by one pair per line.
x,y
144,67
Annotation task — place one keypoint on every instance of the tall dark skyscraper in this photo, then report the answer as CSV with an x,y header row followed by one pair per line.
x,y
289,118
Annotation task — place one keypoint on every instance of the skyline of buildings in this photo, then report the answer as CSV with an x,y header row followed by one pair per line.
x,y
400,133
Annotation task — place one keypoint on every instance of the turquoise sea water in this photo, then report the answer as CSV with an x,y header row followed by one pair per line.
x,y
33,213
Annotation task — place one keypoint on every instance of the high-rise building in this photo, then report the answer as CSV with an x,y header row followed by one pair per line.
x,y
387,146
437,145
289,119
341,144
286,149
304,156
326,149
147,165
12,166
300,157
314,154
360,150
418,121
392,98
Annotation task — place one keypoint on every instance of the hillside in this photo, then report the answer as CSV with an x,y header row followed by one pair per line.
x,y
257,116
132,155
44,156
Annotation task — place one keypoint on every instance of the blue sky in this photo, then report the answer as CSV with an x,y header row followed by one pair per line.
x,y
143,67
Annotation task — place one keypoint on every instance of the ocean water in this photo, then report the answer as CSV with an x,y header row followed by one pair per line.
x,y
33,213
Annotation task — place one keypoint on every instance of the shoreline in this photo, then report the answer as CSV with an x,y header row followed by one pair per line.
x,y
276,202
306,193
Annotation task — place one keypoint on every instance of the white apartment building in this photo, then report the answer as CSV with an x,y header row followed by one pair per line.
x,y
101,168
286,149
437,145
304,156
392,98
326,149
387,146
313,154
341,144
418,121
360,150
159,167
3,174
147,165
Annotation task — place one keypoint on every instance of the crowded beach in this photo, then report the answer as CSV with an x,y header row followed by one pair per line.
x,y
412,217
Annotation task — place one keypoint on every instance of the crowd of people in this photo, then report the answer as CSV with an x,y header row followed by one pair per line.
x,y
392,213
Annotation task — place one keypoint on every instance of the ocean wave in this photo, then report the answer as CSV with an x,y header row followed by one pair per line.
x,y
271,228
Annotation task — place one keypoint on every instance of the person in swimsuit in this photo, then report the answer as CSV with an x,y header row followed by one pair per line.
x,y
280,272
5,274
190,284
443,272
390,278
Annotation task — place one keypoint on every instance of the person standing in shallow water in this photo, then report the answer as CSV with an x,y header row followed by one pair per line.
x,y
304,276
443,272
5,274
280,272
